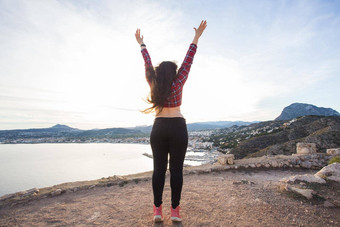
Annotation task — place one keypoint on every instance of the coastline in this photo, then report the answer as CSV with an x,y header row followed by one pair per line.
x,y
282,162
65,169
231,197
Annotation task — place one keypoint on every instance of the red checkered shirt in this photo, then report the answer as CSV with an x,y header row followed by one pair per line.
x,y
175,98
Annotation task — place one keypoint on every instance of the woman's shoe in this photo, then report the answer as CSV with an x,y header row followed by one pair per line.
x,y
157,213
175,214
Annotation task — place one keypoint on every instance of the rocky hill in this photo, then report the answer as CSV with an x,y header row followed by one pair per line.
x,y
64,131
279,137
58,131
301,109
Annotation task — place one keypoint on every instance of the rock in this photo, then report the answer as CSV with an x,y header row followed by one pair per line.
x,y
267,165
316,163
56,192
8,196
328,204
330,172
222,159
230,159
310,178
333,151
274,164
258,164
193,172
306,164
244,181
33,190
252,165
226,159
307,193
21,193
28,193
94,216
207,170
200,171
305,148
257,200
292,161
283,186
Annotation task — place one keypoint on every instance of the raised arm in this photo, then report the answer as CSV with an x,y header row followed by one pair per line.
x,y
145,54
199,31
139,38
189,57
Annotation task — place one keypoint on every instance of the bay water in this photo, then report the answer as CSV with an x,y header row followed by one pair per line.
x,y
25,166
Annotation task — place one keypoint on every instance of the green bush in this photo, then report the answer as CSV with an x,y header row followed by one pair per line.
x,y
334,159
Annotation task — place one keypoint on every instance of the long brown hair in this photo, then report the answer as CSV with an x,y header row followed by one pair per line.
x,y
161,80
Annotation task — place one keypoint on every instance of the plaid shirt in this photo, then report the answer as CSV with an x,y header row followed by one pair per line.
x,y
175,98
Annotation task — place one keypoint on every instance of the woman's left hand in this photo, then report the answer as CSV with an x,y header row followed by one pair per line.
x,y
138,37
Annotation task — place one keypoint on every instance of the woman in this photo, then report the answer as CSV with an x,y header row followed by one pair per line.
x,y
169,133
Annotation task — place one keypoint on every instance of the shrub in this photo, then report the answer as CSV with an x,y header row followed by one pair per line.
x,y
334,159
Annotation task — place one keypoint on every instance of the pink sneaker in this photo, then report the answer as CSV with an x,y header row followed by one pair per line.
x,y
175,214
157,213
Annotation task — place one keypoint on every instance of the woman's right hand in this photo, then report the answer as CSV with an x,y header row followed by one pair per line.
x,y
138,37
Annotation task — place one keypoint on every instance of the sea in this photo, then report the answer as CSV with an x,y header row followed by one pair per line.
x,y
26,166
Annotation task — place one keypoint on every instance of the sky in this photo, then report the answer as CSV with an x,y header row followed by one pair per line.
x,y
78,63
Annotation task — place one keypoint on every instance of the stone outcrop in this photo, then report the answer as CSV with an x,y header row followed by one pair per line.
x,y
303,184
330,172
307,193
226,159
69,187
333,151
305,148
309,178
302,109
307,161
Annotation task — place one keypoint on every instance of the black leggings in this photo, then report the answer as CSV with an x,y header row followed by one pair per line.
x,y
169,135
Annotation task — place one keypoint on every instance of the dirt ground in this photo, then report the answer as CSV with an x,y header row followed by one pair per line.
x,y
227,198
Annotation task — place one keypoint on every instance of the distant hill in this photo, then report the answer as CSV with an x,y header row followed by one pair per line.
x,y
201,125
301,109
65,131
61,127
215,125
280,137
58,131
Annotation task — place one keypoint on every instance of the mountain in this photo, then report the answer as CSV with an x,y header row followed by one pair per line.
x,y
61,127
215,125
279,137
209,125
58,131
64,131
301,109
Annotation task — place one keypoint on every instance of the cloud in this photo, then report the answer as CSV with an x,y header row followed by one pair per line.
x,y
78,62
87,55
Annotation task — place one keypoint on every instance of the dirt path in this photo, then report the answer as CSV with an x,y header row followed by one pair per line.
x,y
227,198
